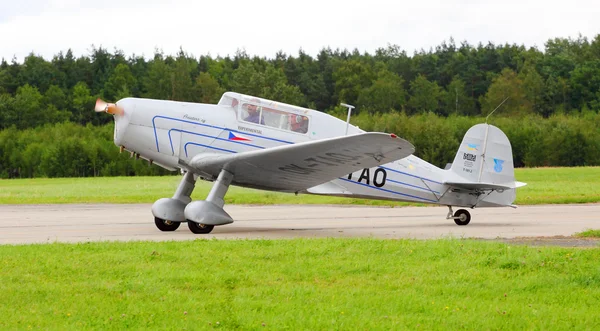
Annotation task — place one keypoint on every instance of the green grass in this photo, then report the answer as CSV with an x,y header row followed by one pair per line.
x,y
545,186
588,234
558,185
141,190
311,284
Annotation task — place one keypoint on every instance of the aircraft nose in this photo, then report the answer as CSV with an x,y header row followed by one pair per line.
x,y
122,120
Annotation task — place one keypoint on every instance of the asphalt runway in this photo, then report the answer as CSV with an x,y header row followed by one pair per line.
x,y
21,224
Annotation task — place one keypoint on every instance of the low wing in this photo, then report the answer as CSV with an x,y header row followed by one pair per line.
x,y
484,186
293,168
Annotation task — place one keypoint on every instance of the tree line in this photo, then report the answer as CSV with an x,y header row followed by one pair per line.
x,y
451,78
67,150
48,127
72,150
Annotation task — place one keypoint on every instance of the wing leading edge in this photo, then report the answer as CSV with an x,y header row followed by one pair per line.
x,y
293,168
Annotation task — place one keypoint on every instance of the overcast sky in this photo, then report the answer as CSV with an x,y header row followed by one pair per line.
x,y
265,27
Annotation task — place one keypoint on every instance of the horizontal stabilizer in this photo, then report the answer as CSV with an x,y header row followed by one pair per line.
x,y
329,188
519,184
484,186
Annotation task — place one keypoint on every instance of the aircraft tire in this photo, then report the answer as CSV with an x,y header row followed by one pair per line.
x,y
198,228
465,217
164,225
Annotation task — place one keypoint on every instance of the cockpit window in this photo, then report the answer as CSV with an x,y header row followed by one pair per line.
x,y
254,113
228,100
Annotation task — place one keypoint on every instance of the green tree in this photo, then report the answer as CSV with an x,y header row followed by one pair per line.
x,y
9,74
585,85
387,93
456,100
83,105
220,68
350,78
101,68
506,85
425,95
31,110
28,106
556,95
181,77
158,82
8,115
37,72
533,87
119,84
276,87
56,97
67,71
207,89
246,79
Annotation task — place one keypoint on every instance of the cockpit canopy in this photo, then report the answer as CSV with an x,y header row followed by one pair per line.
x,y
268,113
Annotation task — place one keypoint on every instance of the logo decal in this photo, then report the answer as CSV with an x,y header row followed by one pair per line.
x,y
234,137
241,128
192,118
498,165
469,157
472,147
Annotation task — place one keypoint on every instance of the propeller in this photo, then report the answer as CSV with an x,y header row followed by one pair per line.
x,y
111,108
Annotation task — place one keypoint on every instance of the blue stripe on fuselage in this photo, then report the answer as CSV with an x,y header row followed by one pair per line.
x,y
209,126
207,136
261,147
411,175
389,191
207,146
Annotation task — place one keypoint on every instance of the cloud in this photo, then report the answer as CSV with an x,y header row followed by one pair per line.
x,y
265,27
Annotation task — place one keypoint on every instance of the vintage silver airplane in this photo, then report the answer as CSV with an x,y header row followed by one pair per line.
x,y
263,144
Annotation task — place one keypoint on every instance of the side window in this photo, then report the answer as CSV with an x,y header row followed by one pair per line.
x,y
252,113
298,123
274,118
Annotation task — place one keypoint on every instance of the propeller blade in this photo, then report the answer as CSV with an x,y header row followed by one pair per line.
x,y
111,108
101,105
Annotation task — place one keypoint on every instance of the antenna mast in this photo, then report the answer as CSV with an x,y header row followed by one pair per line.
x,y
350,107
487,130
503,101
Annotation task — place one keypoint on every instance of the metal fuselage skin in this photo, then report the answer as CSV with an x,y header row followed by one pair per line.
x,y
171,133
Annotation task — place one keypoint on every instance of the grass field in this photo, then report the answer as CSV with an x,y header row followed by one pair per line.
x,y
589,234
544,186
318,284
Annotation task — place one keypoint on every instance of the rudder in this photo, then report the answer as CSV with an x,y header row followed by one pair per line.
x,y
485,155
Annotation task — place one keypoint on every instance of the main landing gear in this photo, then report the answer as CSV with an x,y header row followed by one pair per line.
x,y
201,216
460,217
198,228
165,225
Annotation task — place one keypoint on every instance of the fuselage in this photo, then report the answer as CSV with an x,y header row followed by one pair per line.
x,y
171,133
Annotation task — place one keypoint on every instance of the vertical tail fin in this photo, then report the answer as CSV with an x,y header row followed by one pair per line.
x,y
485,156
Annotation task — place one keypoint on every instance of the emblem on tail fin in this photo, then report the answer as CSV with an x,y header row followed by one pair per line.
x,y
498,165
472,147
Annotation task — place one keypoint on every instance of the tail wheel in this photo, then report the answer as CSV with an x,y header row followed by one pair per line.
x,y
198,228
166,225
463,217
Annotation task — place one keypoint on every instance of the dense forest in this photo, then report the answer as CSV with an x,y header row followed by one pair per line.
x,y
43,101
